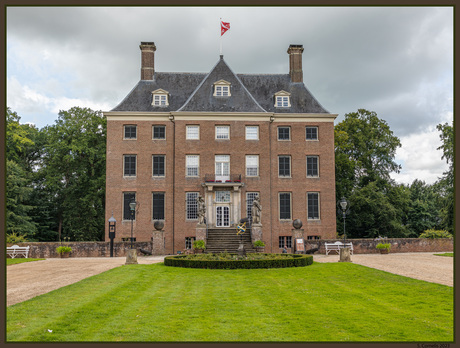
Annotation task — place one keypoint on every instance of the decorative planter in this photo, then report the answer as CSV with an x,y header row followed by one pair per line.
x,y
383,251
65,255
260,249
199,251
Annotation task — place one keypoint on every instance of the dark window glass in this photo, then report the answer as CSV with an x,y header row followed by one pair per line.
x,y
313,206
128,197
159,132
130,132
312,166
158,165
284,166
130,165
312,133
158,206
285,206
284,133
288,241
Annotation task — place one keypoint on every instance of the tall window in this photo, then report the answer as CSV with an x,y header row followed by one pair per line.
x,y
311,133
159,132
222,132
189,242
192,163
222,167
252,133
128,197
285,206
192,205
249,199
252,165
130,132
313,205
192,132
312,166
284,133
129,164
158,165
158,200
285,241
284,166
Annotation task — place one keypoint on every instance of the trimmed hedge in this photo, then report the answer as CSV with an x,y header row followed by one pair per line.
x,y
277,261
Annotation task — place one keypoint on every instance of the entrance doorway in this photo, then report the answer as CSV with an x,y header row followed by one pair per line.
x,y
222,216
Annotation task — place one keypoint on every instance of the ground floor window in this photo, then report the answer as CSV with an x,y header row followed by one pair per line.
x,y
128,197
128,239
285,241
249,199
192,205
189,242
313,237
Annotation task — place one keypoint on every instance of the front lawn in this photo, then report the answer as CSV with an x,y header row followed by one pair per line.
x,y
20,260
321,302
445,254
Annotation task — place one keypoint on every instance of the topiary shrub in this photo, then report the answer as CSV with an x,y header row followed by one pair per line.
x,y
233,261
432,234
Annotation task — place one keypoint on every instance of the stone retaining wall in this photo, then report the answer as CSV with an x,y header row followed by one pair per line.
x,y
398,245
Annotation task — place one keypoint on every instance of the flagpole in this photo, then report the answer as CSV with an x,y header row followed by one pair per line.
x,y
220,24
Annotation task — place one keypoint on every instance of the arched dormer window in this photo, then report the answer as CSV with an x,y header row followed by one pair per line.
x,y
160,97
282,99
222,89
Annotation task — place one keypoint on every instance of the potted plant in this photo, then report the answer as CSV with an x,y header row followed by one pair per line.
x,y
199,246
384,248
64,251
259,245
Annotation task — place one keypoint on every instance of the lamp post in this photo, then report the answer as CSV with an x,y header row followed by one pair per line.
x,y
112,228
132,207
344,251
343,205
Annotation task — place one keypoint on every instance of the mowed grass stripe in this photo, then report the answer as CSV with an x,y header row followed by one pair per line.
x,y
321,302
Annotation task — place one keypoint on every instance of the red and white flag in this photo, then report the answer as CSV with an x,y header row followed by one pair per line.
x,y
224,27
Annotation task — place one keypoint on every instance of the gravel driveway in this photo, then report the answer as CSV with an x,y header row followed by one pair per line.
x,y
30,279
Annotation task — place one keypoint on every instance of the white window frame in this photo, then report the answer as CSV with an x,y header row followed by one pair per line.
x,y
160,97
192,135
191,203
223,197
250,196
221,134
282,99
317,166
252,162
252,132
192,163
222,166
222,89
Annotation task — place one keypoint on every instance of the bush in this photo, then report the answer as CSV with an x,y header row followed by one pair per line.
x,y
199,244
383,246
14,238
63,249
432,234
232,261
259,243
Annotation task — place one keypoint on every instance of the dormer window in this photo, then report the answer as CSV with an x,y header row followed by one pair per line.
x,y
282,99
160,98
222,89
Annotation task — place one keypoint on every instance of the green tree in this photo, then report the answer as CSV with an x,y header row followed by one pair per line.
x,y
73,173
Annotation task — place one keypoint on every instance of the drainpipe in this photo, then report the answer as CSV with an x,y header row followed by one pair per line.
x,y
272,118
171,118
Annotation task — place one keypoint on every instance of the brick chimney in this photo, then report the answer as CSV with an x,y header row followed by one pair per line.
x,y
147,60
295,62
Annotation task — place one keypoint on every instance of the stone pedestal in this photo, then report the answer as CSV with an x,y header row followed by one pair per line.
x,y
256,232
131,257
201,232
158,243
297,233
345,255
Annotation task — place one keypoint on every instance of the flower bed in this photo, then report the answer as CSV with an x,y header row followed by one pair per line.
x,y
234,261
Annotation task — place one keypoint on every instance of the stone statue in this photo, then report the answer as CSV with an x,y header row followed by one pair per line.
x,y
256,210
201,210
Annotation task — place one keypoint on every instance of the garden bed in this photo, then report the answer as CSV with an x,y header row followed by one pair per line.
x,y
235,261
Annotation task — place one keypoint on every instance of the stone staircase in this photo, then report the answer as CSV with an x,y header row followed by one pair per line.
x,y
221,240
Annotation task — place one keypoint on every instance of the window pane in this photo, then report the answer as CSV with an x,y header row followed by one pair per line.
x,y
284,165
128,197
252,165
249,199
192,205
313,205
193,132
222,132
288,241
158,206
311,133
130,165
284,133
312,166
252,133
130,132
159,132
281,242
192,165
285,205
222,196
158,165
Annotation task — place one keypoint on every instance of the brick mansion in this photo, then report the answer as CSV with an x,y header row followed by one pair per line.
x,y
224,138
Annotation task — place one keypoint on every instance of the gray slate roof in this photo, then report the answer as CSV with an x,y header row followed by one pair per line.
x,y
194,92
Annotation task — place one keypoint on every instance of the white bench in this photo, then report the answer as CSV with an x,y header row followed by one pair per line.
x,y
337,246
16,250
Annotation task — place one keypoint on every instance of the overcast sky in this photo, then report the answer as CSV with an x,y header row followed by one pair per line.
x,y
396,61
